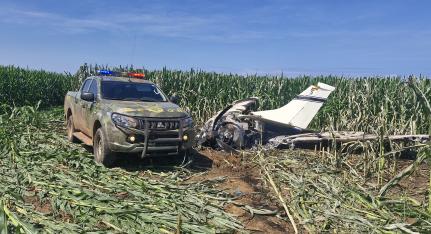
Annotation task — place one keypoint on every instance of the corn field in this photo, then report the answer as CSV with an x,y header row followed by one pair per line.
x,y
326,190
370,104
19,87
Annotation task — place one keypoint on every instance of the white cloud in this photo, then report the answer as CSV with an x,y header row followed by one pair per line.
x,y
180,25
214,27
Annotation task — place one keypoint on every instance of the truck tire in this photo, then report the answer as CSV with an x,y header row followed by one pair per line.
x,y
70,130
101,151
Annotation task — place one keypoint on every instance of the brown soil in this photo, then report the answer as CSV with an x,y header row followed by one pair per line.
x,y
243,180
43,207
414,186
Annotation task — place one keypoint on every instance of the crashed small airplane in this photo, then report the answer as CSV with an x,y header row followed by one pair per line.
x,y
238,126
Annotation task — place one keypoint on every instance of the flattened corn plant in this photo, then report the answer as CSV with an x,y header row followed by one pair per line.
x,y
50,185
322,198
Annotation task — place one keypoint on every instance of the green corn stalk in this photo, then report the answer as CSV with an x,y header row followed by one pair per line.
x,y
354,105
3,219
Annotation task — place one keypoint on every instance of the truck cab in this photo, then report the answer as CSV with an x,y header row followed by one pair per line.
x,y
125,113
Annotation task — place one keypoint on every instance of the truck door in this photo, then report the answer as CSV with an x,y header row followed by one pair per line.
x,y
79,106
88,110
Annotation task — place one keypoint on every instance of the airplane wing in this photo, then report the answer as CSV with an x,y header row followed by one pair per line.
x,y
301,110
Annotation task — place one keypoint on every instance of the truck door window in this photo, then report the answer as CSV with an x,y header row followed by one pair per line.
x,y
93,88
86,85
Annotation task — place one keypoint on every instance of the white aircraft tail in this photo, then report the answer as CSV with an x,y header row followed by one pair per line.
x,y
301,110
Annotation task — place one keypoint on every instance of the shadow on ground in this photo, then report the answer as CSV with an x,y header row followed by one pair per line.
x,y
160,163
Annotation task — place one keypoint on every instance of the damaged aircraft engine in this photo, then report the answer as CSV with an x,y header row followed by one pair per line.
x,y
239,126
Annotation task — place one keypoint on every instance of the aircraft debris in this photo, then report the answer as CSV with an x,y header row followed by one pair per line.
x,y
239,126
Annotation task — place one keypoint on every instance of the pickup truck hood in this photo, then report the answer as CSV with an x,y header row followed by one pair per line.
x,y
146,109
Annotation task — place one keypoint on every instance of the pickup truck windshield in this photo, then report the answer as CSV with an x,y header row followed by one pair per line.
x,y
129,91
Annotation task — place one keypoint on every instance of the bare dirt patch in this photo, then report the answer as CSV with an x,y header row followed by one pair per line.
x,y
416,185
43,207
244,181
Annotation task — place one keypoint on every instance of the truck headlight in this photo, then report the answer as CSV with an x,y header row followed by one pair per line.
x,y
124,121
188,122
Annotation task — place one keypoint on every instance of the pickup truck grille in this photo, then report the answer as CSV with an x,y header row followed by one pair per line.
x,y
164,135
160,124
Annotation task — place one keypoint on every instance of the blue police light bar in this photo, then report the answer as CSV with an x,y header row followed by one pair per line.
x,y
122,74
105,72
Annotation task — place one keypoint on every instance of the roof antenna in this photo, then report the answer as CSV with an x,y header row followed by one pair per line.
x,y
133,49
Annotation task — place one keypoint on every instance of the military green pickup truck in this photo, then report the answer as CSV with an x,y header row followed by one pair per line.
x,y
126,114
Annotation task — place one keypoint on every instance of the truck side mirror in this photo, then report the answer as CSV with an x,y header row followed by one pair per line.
x,y
174,98
86,96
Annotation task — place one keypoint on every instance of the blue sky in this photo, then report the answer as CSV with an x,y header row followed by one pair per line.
x,y
353,38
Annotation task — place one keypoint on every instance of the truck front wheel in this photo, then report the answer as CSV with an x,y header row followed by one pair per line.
x,y
102,153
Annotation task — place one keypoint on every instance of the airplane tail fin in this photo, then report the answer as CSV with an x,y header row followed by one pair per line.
x,y
301,110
